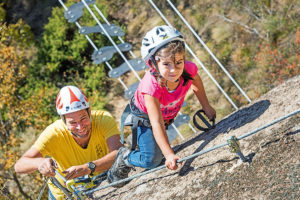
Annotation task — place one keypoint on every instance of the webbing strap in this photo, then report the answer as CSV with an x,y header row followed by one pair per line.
x,y
62,188
50,195
134,133
124,115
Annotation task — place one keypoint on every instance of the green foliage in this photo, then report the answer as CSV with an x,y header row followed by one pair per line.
x,y
16,111
31,75
2,13
18,34
13,73
64,58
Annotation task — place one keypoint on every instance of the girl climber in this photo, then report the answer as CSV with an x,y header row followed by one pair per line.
x,y
158,99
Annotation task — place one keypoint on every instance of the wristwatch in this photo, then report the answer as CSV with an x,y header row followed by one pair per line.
x,y
92,167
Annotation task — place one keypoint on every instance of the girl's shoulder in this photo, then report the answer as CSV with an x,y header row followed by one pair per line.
x,y
149,81
190,68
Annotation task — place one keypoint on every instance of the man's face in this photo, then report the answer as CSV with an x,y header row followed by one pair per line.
x,y
79,123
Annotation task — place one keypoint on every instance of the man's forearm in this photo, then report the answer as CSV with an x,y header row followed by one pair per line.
x,y
105,162
28,165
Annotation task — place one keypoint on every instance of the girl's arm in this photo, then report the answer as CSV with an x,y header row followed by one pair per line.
x,y
156,119
199,91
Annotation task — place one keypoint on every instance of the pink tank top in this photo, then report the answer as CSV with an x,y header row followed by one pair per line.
x,y
170,102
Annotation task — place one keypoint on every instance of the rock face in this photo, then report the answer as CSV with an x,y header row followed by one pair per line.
x,y
273,173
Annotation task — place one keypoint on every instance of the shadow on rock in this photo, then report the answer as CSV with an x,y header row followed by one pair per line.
x,y
234,121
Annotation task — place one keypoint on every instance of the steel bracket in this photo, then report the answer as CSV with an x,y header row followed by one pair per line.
x,y
137,64
112,30
106,53
75,11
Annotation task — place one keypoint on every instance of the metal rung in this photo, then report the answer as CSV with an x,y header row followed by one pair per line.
x,y
106,53
181,119
112,30
131,90
75,11
137,64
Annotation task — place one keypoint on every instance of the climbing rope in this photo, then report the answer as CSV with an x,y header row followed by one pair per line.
x,y
196,154
43,188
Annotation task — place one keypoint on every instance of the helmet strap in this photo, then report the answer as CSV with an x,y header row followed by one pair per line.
x,y
155,64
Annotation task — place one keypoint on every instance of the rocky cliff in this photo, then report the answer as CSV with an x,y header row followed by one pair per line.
x,y
274,170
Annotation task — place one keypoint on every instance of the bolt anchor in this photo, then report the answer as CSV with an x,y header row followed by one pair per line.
x,y
234,147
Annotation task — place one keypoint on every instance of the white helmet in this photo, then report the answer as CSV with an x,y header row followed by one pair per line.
x,y
158,37
70,99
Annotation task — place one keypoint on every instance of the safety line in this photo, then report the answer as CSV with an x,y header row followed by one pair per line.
x,y
193,155
208,50
43,188
192,53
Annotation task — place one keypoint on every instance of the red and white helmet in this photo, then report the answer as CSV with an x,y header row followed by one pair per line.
x,y
70,99
156,38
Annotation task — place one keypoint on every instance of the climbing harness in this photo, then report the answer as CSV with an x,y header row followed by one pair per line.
x,y
208,125
134,117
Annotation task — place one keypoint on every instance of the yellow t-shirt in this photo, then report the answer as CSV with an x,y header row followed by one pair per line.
x,y
57,142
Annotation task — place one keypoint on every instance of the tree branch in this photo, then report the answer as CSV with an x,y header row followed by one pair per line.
x,y
15,178
258,18
246,27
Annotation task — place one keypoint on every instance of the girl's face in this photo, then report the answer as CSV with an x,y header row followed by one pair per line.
x,y
171,67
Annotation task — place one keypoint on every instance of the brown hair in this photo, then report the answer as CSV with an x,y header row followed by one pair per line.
x,y
170,49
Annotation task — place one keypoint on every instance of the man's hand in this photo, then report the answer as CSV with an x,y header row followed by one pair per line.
x,y
47,167
77,171
171,160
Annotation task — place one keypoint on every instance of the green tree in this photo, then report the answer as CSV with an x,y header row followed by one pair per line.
x,y
64,57
16,112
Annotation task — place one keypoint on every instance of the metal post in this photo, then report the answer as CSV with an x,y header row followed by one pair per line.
x,y
192,53
208,50
234,146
